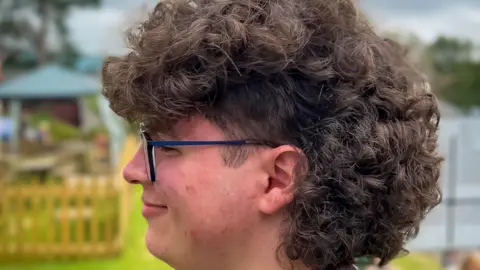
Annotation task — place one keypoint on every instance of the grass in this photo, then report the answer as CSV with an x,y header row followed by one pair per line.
x,y
135,255
417,262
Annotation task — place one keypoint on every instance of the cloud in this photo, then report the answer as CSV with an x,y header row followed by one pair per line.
x,y
127,4
97,31
460,21
100,31
420,7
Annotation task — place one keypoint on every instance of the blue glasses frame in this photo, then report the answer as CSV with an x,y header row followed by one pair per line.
x,y
149,149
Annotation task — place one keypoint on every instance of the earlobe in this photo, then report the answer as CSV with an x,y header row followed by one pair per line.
x,y
285,162
275,200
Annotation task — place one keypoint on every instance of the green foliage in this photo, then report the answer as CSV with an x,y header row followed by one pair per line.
x,y
18,29
91,134
92,104
59,130
463,87
363,262
447,52
20,60
69,55
62,131
456,72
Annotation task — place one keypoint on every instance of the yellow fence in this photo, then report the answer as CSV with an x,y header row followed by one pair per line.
x,y
80,217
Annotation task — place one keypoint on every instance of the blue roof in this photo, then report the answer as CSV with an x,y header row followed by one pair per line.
x,y
92,64
50,81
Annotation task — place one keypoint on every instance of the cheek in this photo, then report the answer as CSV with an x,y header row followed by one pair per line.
x,y
215,220
188,187
207,201
171,180
218,208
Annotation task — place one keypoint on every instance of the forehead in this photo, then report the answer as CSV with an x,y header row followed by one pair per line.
x,y
192,128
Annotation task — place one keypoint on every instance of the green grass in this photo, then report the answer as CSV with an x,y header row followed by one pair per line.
x,y
417,262
134,256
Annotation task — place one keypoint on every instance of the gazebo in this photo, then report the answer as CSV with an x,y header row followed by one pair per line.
x,y
53,82
52,198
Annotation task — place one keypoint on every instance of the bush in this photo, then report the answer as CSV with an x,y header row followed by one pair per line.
x,y
59,130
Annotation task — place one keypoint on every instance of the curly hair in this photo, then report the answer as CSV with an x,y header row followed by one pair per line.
x,y
310,73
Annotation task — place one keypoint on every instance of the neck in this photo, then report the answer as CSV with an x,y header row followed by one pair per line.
x,y
258,250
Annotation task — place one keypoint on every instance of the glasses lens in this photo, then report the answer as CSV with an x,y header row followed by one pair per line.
x,y
148,151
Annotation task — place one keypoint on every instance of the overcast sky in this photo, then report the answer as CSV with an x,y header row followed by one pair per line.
x,y
100,31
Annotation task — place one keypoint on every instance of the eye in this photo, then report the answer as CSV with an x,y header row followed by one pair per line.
x,y
167,149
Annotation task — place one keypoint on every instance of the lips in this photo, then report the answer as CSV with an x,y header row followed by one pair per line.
x,y
150,209
153,204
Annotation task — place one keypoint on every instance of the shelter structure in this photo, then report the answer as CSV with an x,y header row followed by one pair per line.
x,y
69,92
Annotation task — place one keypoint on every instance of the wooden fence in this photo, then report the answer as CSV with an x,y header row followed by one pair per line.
x,y
77,217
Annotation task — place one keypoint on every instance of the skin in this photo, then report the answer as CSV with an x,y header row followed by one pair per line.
x,y
204,214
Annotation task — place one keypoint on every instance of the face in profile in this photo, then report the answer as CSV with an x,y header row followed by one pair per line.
x,y
199,204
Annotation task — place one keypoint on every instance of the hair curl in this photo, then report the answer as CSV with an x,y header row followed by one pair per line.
x,y
311,73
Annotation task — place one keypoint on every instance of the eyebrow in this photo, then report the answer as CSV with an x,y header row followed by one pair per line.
x,y
160,136
157,135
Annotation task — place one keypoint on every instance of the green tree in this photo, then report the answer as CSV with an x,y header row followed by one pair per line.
x,y
447,52
26,24
463,84
457,73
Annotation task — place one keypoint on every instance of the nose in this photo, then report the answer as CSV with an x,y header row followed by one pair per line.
x,y
135,171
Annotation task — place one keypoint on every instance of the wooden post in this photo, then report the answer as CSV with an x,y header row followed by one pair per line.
x,y
16,117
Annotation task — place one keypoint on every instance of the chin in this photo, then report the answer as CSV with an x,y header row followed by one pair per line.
x,y
160,249
156,244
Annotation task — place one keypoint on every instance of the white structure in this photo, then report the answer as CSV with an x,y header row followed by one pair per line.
x,y
447,110
455,224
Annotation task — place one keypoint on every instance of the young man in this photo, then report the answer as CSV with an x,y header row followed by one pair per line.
x,y
276,134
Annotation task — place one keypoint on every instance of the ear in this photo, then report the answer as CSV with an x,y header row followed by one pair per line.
x,y
283,165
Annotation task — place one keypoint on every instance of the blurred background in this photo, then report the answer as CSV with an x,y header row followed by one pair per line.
x,y
63,204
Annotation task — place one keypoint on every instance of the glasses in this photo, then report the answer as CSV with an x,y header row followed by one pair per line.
x,y
149,148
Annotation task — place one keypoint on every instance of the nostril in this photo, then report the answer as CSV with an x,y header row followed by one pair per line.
x,y
134,182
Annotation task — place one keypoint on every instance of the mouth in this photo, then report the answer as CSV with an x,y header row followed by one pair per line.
x,y
153,210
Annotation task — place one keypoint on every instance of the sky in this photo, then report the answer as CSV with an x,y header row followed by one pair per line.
x,y
100,31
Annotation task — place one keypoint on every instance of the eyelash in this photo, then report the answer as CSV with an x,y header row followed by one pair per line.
x,y
167,149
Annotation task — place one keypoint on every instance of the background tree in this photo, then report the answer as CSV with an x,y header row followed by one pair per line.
x,y
26,25
457,71
448,63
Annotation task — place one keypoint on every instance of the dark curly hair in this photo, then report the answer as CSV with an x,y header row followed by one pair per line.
x,y
310,73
